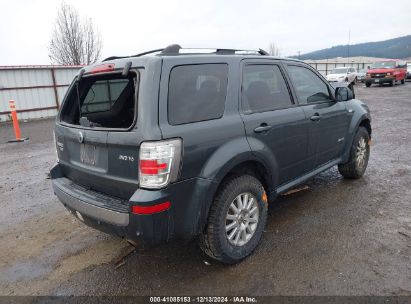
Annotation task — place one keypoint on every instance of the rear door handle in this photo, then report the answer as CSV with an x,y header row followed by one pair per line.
x,y
262,128
315,117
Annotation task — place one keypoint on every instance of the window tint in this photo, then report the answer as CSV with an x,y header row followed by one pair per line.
x,y
308,86
102,95
264,89
197,93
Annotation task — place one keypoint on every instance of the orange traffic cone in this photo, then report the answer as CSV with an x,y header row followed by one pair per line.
x,y
15,123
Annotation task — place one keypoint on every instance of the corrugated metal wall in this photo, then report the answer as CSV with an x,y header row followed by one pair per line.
x,y
37,90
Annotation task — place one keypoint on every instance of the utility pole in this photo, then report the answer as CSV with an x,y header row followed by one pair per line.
x,y
349,40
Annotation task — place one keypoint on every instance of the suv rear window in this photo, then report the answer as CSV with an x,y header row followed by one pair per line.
x,y
106,101
197,93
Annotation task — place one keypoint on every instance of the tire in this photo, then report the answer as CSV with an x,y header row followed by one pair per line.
x,y
354,168
215,240
392,83
367,84
403,80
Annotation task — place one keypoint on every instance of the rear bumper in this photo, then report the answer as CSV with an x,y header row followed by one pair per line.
x,y
185,218
88,204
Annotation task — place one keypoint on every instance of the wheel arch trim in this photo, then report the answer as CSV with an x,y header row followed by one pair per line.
x,y
365,118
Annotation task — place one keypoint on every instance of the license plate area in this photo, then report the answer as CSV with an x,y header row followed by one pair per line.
x,y
376,80
88,154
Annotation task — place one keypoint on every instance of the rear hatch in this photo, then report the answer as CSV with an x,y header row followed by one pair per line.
x,y
98,146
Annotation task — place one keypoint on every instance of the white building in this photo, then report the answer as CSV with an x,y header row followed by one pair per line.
x,y
324,66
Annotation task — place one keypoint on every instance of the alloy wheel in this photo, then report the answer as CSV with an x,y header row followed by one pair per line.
x,y
242,219
361,153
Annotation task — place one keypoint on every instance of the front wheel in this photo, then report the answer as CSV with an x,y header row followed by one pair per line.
x,y
359,155
367,84
236,221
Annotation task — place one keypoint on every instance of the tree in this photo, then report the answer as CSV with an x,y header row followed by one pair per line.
x,y
274,50
74,41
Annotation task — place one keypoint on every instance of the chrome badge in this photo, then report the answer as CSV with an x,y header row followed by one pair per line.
x,y
80,137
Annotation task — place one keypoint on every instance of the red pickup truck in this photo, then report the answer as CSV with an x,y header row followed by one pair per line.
x,y
387,71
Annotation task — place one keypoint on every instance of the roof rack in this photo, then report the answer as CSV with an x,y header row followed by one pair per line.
x,y
136,55
175,49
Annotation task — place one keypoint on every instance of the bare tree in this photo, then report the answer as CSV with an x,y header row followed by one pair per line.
x,y
274,50
74,41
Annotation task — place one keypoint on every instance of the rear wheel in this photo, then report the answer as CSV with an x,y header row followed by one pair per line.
x,y
236,221
392,83
359,155
403,80
367,84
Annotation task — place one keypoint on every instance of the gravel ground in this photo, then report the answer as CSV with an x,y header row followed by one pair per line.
x,y
339,237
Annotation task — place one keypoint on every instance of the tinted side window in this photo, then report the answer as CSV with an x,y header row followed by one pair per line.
x,y
308,86
197,93
264,89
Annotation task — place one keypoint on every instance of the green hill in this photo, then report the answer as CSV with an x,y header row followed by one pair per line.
x,y
393,48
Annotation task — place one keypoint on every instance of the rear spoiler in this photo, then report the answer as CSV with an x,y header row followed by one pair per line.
x,y
104,68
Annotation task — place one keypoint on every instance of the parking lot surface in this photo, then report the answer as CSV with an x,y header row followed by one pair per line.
x,y
338,237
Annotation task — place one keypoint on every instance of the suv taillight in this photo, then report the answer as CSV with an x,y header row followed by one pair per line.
x,y
159,163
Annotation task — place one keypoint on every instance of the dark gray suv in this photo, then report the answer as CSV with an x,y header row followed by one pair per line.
x,y
180,144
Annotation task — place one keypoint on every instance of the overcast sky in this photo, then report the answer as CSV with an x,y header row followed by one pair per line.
x,y
129,27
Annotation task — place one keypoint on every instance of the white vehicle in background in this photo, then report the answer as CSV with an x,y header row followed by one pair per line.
x,y
361,73
343,74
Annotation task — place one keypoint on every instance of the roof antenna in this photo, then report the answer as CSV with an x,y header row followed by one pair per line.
x,y
262,52
172,49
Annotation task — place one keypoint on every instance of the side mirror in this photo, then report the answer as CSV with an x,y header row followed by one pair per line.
x,y
343,94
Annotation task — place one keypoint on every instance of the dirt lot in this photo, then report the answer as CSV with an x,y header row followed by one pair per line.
x,y
338,237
